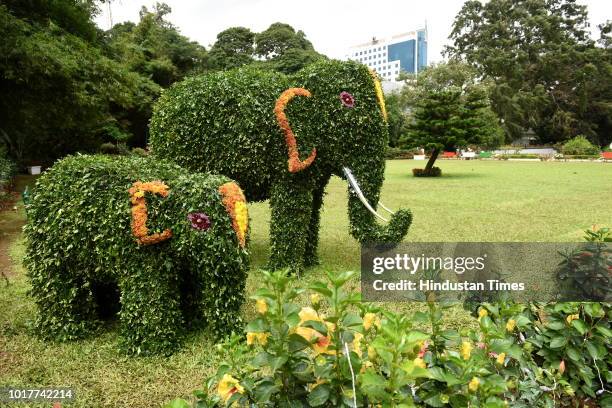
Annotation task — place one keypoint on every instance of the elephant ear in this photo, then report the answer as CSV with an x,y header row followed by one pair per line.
x,y
294,163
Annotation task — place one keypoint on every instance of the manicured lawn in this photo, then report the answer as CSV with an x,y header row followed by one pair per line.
x,y
474,201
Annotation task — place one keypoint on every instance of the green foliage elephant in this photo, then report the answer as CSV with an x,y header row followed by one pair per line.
x,y
282,137
145,238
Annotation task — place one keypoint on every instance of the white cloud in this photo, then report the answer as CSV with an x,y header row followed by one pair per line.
x,y
332,26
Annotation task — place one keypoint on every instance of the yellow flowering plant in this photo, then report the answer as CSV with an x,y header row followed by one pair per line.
x,y
326,348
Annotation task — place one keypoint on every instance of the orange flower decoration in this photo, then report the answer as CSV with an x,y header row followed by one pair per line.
x,y
140,213
236,207
294,162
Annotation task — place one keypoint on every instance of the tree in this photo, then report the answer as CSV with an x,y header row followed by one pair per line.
x,y
450,109
397,117
234,47
155,48
284,49
548,74
60,94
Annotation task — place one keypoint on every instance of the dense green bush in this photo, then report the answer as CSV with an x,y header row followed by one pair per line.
x,y
579,145
225,123
81,248
433,172
581,156
343,353
114,149
7,171
397,153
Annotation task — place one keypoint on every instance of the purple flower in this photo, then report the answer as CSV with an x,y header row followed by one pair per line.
x,y
347,99
199,221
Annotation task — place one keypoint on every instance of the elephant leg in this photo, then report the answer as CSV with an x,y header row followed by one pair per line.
x,y
312,237
67,310
291,207
150,316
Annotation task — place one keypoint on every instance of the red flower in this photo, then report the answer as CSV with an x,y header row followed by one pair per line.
x,y
199,221
347,99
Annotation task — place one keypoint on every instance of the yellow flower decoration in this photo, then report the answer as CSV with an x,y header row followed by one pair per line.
x,y
254,338
419,362
380,96
473,384
228,386
572,317
370,319
242,217
510,325
501,358
236,207
482,312
308,313
261,306
315,299
466,350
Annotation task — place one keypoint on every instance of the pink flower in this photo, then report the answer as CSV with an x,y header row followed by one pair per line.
x,y
199,221
347,99
423,349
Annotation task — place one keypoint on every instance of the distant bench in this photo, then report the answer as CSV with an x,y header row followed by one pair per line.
x,y
606,156
449,155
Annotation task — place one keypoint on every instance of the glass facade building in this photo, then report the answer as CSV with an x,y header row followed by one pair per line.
x,y
388,57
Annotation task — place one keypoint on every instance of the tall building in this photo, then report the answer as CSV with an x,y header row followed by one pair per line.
x,y
403,52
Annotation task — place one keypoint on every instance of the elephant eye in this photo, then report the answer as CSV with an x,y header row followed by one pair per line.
x,y
348,100
199,221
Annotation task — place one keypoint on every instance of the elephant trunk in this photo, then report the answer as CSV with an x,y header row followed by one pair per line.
x,y
363,202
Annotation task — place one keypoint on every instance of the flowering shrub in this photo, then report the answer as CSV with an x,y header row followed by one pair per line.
x,y
340,352
99,225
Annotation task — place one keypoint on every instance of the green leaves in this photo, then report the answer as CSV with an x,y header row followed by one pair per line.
x,y
80,247
319,395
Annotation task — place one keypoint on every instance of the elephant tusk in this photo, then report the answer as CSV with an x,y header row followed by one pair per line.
x,y
385,208
357,190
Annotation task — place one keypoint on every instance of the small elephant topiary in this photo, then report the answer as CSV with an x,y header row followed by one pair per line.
x,y
170,244
283,137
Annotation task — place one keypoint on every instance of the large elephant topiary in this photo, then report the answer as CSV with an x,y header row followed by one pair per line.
x,y
282,138
169,244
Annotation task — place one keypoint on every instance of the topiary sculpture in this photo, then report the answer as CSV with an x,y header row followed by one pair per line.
x,y
172,244
237,123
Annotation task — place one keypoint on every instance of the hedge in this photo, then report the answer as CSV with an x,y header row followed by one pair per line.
x,y
282,137
433,172
396,153
168,245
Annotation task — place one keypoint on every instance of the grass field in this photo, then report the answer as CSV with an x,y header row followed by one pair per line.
x,y
473,201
